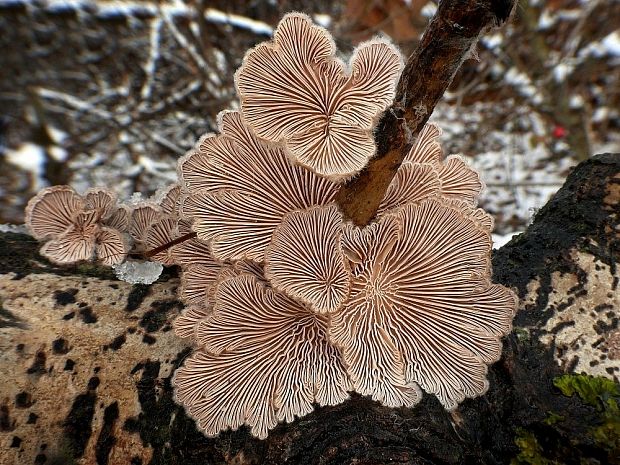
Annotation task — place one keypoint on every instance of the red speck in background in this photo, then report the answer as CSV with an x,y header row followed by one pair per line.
x,y
559,132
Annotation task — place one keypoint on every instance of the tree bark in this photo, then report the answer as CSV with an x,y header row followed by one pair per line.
x,y
447,41
86,363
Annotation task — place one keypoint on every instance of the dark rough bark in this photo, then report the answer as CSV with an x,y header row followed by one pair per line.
x,y
523,417
447,41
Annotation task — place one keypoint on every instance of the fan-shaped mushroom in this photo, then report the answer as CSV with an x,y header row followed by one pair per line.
x,y
265,359
239,189
305,261
422,310
78,228
294,90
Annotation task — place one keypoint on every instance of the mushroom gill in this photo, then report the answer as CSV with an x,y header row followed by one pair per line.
x,y
263,358
294,90
425,173
78,228
239,189
422,310
305,261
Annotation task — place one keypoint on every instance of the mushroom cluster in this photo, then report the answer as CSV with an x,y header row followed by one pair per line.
x,y
78,228
95,227
287,304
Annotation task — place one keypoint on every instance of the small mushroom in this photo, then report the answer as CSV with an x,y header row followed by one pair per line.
x,y
77,228
422,310
413,182
143,216
424,173
457,180
295,91
305,261
239,189
52,211
199,282
264,358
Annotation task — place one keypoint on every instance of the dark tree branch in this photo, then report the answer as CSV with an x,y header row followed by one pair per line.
x,y
450,36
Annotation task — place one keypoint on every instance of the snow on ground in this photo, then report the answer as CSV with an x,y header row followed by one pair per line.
x,y
30,158
517,170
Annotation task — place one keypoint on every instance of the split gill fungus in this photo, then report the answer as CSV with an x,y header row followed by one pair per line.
x,y
287,304
307,307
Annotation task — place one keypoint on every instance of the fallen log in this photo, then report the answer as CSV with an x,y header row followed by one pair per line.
x,y
86,363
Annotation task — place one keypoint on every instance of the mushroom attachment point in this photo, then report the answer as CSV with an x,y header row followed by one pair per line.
x,y
295,91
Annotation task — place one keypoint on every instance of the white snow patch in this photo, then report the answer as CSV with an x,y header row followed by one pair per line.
x,y
429,10
56,134
29,157
522,83
138,271
14,228
492,40
500,240
242,22
157,168
612,43
58,153
546,20
562,70
576,101
600,114
322,20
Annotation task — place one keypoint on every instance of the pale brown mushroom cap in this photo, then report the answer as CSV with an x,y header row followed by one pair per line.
x,y
413,182
457,179
100,199
199,284
266,359
295,91
196,282
199,271
239,189
143,216
169,199
427,148
422,310
162,232
185,324
119,219
305,261
112,248
193,252
52,211
77,243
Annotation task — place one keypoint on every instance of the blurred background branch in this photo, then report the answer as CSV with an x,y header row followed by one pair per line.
x,y
113,93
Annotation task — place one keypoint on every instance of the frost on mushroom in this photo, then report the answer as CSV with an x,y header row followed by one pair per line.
x,y
294,90
239,189
424,173
305,261
422,310
77,228
265,359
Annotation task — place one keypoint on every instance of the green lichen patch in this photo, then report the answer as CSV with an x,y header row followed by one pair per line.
x,y
530,451
604,395
593,390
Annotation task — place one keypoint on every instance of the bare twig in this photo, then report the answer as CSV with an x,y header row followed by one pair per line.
x,y
446,43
